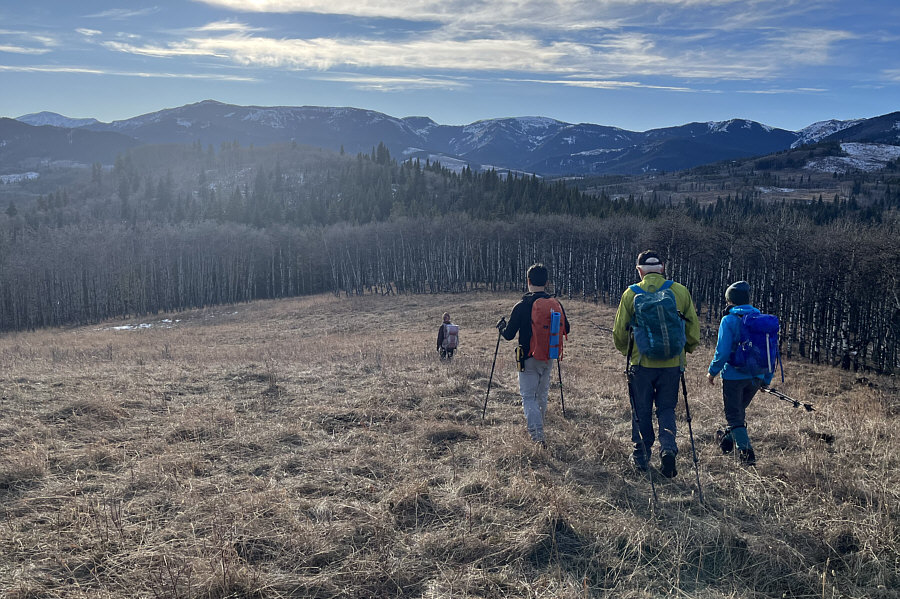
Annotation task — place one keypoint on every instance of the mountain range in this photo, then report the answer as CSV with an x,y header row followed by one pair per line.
x,y
527,144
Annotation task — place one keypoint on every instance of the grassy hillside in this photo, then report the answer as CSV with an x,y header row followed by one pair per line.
x,y
318,448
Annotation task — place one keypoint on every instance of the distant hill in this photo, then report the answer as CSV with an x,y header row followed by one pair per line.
x,y
23,145
883,129
524,144
57,120
819,131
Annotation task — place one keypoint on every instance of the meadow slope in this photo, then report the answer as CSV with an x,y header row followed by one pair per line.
x,y
317,447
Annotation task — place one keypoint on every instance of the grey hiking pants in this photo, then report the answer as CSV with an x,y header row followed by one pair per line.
x,y
534,385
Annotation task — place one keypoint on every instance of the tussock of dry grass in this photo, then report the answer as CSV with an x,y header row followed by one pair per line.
x,y
318,448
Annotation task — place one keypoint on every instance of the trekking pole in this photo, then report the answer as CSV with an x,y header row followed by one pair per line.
x,y
629,373
496,349
562,401
687,413
795,402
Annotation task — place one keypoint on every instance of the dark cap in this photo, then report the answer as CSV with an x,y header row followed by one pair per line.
x,y
649,258
738,293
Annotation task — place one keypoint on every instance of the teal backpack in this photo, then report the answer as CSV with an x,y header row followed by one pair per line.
x,y
657,324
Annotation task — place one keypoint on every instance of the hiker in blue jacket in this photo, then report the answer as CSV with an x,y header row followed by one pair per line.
x,y
738,388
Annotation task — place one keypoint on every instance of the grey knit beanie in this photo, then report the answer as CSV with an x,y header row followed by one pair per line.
x,y
738,293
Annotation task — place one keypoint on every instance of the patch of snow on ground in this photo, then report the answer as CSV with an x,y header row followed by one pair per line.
x,y
862,157
18,178
598,151
166,323
775,189
718,126
452,164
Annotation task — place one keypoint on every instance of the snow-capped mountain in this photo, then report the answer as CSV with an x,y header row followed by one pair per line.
x,y
525,144
56,120
884,129
530,144
821,130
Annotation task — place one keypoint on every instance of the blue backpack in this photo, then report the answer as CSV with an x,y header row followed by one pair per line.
x,y
658,326
756,352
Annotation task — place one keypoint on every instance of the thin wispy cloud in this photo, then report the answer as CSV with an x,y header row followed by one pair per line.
x,y
425,10
141,74
773,91
125,13
324,53
561,15
226,26
22,49
394,84
604,84
612,56
24,42
173,50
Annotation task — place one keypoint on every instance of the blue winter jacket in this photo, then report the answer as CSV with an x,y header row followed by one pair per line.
x,y
729,335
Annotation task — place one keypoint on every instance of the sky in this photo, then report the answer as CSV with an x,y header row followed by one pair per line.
x,y
633,64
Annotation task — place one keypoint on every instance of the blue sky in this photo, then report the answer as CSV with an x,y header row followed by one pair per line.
x,y
629,63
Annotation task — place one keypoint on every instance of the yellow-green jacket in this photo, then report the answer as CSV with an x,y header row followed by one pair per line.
x,y
622,335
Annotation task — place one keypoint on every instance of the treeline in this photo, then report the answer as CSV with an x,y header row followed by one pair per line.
x,y
834,287
243,224
293,185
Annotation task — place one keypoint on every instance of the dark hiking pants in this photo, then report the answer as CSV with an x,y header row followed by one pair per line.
x,y
654,387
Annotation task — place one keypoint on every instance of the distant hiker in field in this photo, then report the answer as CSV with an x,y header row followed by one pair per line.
x,y
746,355
448,338
531,319
656,323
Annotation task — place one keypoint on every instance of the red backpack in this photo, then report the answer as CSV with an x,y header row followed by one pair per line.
x,y
548,327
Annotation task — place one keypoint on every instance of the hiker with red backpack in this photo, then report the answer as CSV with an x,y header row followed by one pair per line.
x,y
656,323
746,356
448,338
532,318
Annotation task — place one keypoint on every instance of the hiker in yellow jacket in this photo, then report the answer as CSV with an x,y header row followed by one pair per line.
x,y
654,381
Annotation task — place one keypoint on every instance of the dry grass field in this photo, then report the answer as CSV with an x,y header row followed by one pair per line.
x,y
318,447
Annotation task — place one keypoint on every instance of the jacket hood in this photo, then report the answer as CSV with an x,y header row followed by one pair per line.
x,y
535,294
743,310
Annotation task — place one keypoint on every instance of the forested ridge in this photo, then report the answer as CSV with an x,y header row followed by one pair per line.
x,y
177,227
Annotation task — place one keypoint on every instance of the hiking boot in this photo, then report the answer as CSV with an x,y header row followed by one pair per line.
x,y
726,443
638,463
667,460
747,456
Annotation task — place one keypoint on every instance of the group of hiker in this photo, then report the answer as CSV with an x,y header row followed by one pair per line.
x,y
656,325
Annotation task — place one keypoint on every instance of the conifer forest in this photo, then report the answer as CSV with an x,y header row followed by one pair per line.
x,y
177,227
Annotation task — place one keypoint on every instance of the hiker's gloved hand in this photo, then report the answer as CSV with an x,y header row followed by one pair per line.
x,y
710,378
501,325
